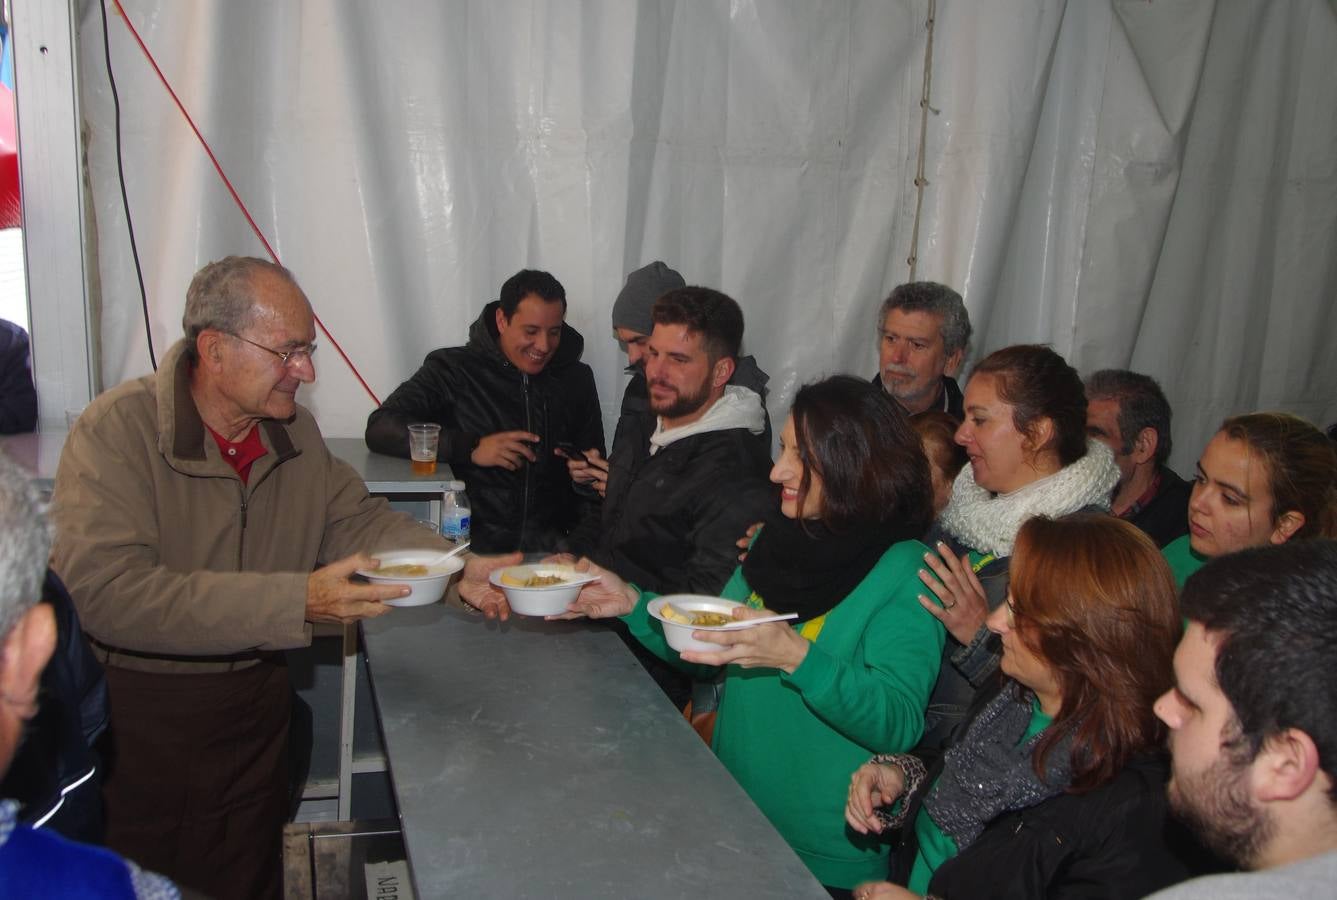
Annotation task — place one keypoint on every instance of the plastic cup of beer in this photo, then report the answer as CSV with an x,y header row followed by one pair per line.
x,y
423,440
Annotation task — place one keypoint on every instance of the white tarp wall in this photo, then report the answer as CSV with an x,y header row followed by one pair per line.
x,y
1143,184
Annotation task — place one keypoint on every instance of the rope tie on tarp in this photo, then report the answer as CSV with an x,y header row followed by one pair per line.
x,y
233,191
924,109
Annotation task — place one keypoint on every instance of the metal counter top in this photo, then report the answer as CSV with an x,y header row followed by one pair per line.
x,y
387,474
40,454
537,759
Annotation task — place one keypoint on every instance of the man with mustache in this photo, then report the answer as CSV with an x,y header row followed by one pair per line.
x,y
923,330
1253,721
1128,412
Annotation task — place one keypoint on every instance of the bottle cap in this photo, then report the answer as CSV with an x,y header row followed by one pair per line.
x,y
454,485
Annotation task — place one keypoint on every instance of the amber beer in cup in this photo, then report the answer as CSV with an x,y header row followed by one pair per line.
x,y
424,438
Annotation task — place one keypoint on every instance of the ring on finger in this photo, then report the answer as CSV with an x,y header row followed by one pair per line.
x,y
951,605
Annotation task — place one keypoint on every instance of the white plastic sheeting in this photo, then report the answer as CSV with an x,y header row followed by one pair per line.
x,y
1151,184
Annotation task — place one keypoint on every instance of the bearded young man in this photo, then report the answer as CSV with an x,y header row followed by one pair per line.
x,y
680,495
632,324
684,488
1253,721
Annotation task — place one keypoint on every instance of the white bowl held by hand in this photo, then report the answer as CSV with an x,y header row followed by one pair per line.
x,y
422,570
528,598
679,635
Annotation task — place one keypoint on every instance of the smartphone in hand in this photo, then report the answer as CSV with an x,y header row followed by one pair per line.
x,y
568,450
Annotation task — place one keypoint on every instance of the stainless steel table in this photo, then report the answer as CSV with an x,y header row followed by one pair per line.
x,y
537,759
389,475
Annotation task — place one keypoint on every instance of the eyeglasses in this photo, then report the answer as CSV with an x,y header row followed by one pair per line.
x,y
292,357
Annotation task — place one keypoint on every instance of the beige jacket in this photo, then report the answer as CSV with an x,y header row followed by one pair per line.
x,y
174,564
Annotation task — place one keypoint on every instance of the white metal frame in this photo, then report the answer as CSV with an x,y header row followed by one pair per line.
x,y
54,201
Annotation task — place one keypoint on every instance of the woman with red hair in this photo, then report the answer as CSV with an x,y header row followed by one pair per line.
x,y
1057,778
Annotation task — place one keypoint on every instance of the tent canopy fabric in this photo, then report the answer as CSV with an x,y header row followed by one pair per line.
x,y
1149,185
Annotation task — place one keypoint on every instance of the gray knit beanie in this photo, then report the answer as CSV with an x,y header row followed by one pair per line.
x,y
647,284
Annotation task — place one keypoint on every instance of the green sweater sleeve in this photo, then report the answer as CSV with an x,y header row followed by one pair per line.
x,y
647,629
880,699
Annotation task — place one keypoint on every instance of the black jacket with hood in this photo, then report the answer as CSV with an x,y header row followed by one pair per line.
x,y
473,391
671,519
637,421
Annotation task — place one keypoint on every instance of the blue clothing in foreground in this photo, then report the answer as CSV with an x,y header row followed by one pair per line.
x,y
36,863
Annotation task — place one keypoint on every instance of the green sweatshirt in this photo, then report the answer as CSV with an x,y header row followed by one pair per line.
x,y
1182,559
792,741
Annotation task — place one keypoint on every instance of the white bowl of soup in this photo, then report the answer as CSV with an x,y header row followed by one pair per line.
x,y
423,571
539,589
681,614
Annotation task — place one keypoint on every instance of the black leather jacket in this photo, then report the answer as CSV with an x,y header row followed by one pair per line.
x,y
473,391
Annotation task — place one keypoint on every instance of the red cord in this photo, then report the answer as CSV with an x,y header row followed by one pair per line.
x,y
233,191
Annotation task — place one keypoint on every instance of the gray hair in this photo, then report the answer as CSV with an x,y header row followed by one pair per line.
x,y
220,297
25,543
1142,404
938,299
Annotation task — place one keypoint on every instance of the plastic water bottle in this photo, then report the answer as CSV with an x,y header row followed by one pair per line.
x,y
455,512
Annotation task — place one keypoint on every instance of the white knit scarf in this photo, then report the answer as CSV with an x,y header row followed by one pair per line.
x,y
988,522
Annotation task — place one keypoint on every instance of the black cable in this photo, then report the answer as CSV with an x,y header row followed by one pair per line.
x,y
125,199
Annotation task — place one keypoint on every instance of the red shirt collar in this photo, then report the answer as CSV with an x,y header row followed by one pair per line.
x,y
243,453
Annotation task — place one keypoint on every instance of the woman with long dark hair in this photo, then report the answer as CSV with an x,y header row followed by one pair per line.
x,y
853,674
1056,784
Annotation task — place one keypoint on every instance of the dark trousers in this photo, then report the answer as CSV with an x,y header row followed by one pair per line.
x,y
197,784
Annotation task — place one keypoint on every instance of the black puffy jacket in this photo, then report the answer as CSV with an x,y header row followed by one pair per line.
x,y
473,391
637,421
670,521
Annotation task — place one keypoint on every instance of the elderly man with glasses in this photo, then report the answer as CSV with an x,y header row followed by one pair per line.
x,y
202,526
